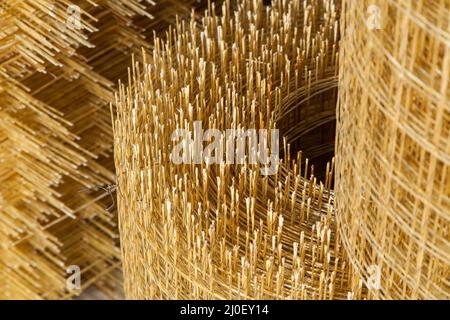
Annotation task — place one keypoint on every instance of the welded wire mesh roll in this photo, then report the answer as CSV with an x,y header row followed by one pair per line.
x,y
199,230
393,145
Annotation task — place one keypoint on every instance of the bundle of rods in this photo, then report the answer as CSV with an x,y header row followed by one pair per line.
x,y
59,65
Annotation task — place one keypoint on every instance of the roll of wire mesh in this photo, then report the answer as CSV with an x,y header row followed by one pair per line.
x,y
222,230
393,146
